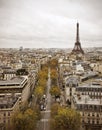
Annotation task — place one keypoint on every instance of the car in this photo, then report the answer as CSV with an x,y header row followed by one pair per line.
x,y
43,107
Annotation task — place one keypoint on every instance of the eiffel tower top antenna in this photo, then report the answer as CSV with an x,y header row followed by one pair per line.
x,y
77,36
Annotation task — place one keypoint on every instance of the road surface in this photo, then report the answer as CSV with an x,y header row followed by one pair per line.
x,y
44,123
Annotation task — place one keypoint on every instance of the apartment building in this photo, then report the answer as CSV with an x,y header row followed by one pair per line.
x,y
92,89
90,111
8,105
20,86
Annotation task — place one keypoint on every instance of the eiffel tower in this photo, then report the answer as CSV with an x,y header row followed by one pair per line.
x,y
77,47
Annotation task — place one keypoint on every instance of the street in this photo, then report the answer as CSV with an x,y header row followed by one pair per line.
x,y
44,123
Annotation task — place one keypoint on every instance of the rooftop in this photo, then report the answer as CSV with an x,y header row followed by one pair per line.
x,y
15,81
8,101
85,99
9,71
72,80
91,85
89,74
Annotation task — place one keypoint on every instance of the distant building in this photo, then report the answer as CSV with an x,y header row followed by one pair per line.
x,y
21,48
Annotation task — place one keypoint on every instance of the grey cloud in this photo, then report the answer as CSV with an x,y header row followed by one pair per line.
x,y
49,23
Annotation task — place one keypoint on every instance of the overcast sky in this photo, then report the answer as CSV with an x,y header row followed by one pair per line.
x,y
50,23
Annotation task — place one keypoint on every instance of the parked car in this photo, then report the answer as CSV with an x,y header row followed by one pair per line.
x,y
43,107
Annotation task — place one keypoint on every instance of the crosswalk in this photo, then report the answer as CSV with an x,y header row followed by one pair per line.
x,y
48,111
44,120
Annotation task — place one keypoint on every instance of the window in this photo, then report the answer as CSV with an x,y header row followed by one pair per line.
x,y
97,121
93,121
92,114
90,106
8,121
83,113
88,114
4,121
83,121
8,113
88,121
97,115
4,114
95,107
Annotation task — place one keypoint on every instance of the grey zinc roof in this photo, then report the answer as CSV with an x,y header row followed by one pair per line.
x,y
90,86
85,99
16,81
71,80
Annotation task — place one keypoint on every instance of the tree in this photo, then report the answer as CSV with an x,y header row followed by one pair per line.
x,y
53,81
42,74
23,107
54,109
39,91
55,91
53,72
26,120
53,63
66,119
42,82
54,76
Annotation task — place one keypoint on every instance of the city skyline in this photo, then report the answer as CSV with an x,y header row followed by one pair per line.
x,y
49,23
